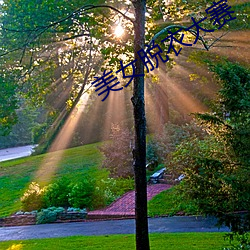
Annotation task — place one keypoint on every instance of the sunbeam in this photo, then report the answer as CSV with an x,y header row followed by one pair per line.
x,y
51,161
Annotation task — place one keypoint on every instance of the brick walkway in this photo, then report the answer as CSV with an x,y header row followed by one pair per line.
x,y
124,207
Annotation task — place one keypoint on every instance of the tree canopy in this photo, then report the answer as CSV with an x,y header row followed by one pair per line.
x,y
216,168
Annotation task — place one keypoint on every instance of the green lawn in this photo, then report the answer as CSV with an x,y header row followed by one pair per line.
x,y
170,241
16,175
169,202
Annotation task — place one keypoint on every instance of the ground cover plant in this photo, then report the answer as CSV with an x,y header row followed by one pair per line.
x,y
170,241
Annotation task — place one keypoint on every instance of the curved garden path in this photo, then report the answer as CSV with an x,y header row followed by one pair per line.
x,y
124,207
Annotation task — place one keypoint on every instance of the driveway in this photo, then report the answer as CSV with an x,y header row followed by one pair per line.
x,y
14,153
156,225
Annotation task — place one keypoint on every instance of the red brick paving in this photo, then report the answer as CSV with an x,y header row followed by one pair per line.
x,y
125,205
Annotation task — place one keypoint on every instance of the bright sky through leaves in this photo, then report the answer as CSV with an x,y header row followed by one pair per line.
x,y
119,30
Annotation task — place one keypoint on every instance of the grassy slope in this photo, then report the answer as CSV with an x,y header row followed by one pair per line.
x,y
173,241
169,203
16,175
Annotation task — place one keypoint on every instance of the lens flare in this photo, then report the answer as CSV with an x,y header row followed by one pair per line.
x,y
119,31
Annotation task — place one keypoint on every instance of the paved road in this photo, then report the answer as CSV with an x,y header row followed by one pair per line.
x,y
156,225
14,153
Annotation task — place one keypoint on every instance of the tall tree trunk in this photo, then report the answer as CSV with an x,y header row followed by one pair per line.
x,y
139,152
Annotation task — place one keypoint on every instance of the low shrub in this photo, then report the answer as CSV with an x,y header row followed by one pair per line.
x,y
88,193
109,189
81,194
57,193
103,194
123,185
33,197
48,215
73,209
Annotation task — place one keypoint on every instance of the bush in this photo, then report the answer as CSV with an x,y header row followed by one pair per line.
x,y
109,189
81,194
103,194
48,215
57,193
73,209
243,242
33,197
123,185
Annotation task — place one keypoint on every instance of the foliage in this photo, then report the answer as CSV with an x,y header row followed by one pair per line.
x,y
234,107
103,193
73,209
33,197
48,215
38,131
216,168
152,156
108,190
57,193
205,175
242,22
81,194
95,191
166,141
118,156
123,185
243,242
65,193
8,105
22,132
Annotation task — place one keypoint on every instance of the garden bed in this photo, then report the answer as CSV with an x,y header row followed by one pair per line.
x,y
30,219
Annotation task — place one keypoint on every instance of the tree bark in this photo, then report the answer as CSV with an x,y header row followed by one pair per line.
x,y
139,151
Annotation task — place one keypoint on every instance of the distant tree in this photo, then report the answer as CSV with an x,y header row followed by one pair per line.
x,y
118,155
8,105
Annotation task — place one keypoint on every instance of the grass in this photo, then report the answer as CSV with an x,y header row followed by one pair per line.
x,y
16,175
170,241
169,203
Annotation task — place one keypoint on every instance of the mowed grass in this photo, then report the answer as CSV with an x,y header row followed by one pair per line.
x,y
170,241
169,202
16,175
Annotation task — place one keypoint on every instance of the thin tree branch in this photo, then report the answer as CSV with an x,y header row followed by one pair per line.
x,y
166,29
74,13
217,39
73,37
44,28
